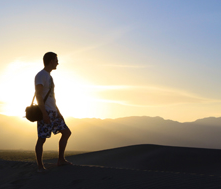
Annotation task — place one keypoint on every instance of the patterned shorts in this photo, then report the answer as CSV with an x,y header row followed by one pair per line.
x,y
57,124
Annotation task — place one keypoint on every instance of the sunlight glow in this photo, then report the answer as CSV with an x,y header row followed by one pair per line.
x,y
18,88
72,96
79,98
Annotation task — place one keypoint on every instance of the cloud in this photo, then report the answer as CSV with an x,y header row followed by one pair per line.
x,y
126,66
102,40
108,87
148,96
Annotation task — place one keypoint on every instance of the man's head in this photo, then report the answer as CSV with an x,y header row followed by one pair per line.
x,y
50,59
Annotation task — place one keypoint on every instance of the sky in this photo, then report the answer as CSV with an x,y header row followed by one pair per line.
x,y
116,58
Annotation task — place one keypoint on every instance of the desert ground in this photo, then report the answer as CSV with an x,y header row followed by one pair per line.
x,y
132,167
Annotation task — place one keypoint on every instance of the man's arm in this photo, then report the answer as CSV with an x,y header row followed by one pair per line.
x,y
39,93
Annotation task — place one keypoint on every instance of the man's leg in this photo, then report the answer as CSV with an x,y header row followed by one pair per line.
x,y
39,151
65,134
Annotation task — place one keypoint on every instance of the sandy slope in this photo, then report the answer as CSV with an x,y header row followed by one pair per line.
x,y
141,166
155,157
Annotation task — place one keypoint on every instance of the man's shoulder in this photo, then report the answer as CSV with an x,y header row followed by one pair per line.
x,y
42,77
42,73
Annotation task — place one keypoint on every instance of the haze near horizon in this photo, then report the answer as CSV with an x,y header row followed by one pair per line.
x,y
116,58
90,134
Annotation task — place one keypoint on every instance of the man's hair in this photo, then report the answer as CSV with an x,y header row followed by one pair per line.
x,y
48,57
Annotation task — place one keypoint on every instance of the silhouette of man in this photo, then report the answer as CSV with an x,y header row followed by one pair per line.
x,y
52,120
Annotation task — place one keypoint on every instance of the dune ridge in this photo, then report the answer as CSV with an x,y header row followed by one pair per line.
x,y
155,157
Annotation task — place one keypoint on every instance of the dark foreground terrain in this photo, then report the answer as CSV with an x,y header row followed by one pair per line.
x,y
140,166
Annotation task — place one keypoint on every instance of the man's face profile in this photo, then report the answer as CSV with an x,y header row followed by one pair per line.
x,y
54,63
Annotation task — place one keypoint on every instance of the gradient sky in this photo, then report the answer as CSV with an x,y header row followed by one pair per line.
x,y
116,58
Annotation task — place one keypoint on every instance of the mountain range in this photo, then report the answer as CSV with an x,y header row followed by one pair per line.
x,y
91,134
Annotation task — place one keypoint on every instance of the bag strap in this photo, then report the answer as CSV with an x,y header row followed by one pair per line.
x,y
44,98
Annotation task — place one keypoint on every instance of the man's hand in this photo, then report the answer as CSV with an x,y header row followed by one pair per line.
x,y
46,118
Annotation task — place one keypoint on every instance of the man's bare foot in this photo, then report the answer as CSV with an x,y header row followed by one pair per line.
x,y
63,162
41,170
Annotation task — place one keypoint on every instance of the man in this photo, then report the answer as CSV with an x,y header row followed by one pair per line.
x,y
52,120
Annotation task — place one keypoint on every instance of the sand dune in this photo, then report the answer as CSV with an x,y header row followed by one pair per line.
x,y
140,166
155,157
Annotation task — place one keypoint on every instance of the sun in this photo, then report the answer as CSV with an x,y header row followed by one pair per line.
x,y
72,95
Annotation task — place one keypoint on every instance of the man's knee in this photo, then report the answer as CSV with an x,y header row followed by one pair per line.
x,y
66,133
69,133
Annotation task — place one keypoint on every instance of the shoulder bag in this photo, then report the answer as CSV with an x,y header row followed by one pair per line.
x,y
33,112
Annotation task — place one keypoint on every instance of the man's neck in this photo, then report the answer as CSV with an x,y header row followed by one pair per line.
x,y
48,69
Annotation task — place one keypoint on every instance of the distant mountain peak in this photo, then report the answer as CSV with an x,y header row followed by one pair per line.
x,y
209,120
